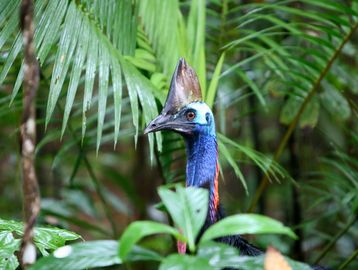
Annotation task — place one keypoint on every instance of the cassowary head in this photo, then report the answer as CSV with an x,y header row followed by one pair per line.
x,y
184,111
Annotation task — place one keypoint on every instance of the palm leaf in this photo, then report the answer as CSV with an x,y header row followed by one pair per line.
x,y
92,42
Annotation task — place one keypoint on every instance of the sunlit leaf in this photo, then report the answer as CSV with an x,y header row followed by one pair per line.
x,y
45,238
245,224
213,87
8,246
140,229
89,255
188,208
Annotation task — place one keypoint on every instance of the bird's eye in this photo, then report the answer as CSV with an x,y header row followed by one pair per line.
x,y
190,115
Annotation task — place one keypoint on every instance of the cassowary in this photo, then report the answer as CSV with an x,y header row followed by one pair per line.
x,y
184,112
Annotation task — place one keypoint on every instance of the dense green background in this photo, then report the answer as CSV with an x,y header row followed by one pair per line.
x,y
281,77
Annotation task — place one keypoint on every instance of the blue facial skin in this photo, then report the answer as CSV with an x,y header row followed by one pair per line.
x,y
201,148
204,119
202,154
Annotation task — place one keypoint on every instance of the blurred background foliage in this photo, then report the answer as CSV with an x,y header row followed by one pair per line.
x,y
281,77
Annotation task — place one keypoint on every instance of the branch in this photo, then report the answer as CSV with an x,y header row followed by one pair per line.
x,y
31,203
292,126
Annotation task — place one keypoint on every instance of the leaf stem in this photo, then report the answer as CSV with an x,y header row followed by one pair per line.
x,y
349,260
292,126
335,239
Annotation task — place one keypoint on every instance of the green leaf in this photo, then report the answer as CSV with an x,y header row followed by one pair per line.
x,y
67,46
133,97
220,255
335,103
290,109
52,238
141,63
266,164
185,262
117,95
245,224
160,20
196,38
213,87
188,208
14,51
81,256
77,67
90,255
309,117
92,57
8,30
8,246
223,256
140,87
48,28
226,154
102,91
139,229
45,238
252,85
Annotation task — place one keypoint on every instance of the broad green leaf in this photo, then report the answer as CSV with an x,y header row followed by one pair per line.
x,y
188,208
45,238
140,229
8,246
220,255
89,255
185,262
213,87
245,224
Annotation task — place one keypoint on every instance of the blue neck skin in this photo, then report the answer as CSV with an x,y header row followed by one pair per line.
x,y
201,166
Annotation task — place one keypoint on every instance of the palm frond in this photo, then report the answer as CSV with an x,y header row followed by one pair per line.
x,y
299,53
271,168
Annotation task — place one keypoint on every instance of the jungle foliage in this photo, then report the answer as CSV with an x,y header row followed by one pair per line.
x,y
281,78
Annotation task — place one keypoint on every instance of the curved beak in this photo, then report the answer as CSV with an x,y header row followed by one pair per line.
x,y
157,124
168,122
184,89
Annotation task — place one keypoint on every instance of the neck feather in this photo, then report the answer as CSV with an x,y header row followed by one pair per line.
x,y
202,168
